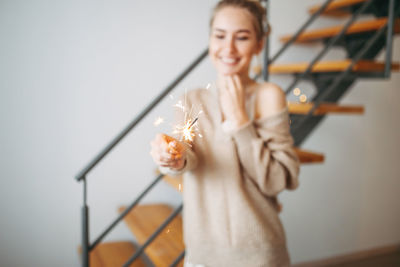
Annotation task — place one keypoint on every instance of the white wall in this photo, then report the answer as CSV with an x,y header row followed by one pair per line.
x,y
73,74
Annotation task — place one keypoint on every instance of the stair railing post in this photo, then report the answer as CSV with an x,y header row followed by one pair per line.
x,y
389,39
265,70
85,227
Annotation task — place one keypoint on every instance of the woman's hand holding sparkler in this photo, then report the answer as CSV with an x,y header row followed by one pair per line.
x,y
232,100
168,152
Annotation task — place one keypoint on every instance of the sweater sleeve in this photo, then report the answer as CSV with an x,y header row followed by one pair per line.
x,y
265,149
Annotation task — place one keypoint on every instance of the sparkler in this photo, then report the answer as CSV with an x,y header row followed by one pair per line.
x,y
194,121
189,128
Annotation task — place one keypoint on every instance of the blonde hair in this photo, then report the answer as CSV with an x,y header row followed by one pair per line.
x,y
257,11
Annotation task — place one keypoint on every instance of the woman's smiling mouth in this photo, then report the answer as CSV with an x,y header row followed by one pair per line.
x,y
229,60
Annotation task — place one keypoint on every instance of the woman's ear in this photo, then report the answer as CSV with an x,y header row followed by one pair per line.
x,y
260,46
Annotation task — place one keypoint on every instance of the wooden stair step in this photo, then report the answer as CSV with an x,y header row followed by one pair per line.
x,y
328,32
305,157
336,8
111,254
143,220
324,108
331,66
174,181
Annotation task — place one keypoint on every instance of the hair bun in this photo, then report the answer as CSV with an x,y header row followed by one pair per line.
x,y
256,10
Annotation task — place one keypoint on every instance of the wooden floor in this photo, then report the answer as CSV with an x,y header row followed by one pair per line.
x,y
389,260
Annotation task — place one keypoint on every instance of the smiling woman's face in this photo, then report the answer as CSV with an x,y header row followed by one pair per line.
x,y
233,41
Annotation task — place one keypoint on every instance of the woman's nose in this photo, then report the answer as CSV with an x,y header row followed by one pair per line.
x,y
230,45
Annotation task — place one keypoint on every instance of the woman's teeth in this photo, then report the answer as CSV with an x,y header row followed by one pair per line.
x,y
229,60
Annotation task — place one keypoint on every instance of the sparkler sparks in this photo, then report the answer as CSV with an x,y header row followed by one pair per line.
x,y
179,105
158,121
186,131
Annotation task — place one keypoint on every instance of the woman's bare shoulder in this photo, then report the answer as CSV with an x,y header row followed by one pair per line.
x,y
270,100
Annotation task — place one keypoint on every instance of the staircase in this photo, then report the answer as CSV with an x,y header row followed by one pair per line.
x,y
362,41
333,79
143,220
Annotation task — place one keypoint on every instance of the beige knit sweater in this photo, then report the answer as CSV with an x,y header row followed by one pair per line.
x,y
231,182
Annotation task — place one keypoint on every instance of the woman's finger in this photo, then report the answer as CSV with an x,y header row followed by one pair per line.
x,y
166,151
159,160
166,155
238,83
233,89
229,84
156,158
167,163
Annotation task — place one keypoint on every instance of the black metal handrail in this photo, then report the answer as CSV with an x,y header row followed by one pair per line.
x,y
146,110
86,246
85,227
389,38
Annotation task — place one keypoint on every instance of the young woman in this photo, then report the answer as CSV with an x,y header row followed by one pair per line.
x,y
233,174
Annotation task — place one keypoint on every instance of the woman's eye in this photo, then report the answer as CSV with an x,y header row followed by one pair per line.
x,y
242,38
219,36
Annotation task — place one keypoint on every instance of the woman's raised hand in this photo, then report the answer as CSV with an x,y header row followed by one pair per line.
x,y
233,100
168,152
